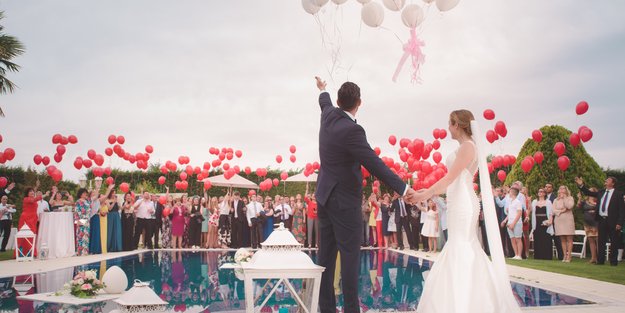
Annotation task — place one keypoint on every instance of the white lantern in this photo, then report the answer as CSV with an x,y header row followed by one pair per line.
x,y
140,298
23,283
115,280
27,238
281,258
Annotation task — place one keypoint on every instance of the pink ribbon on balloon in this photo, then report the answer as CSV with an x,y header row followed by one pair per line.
x,y
412,49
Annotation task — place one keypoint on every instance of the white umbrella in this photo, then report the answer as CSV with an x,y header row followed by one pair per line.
x,y
235,181
302,178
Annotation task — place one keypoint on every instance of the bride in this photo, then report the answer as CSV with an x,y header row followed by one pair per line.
x,y
463,278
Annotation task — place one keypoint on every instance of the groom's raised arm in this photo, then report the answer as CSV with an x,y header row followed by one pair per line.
x,y
324,97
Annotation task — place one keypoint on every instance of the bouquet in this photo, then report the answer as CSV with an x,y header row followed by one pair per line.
x,y
85,284
242,255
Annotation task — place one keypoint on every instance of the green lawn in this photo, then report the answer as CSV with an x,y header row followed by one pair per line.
x,y
577,267
7,255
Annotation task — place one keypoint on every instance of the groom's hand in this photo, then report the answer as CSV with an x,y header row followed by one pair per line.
x,y
321,84
410,196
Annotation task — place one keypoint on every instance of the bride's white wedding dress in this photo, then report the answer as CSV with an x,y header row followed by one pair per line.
x,y
463,278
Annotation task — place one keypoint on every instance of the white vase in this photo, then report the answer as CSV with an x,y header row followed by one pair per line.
x,y
115,280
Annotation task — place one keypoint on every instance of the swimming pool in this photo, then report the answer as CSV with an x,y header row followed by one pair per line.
x,y
192,282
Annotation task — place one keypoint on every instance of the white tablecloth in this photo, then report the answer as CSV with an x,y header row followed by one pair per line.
x,y
56,229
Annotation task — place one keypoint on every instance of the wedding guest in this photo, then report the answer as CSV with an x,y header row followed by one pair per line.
x,y
144,208
166,216
589,208
392,227
6,191
542,230
128,222
187,206
156,221
195,223
252,213
514,223
178,223
114,223
564,222
240,229
430,227
206,214
501,216
269,221
213,224
29,214
366,212
57,201
422,218
441,206
283,212
402,220
98,231
386,202
299,222
611,217
6,219
42,204
415,223
378,223
551,196
312,223
374,210
82,214
527,212
224,222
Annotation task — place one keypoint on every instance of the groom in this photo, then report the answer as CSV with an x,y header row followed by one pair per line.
x,y
343,148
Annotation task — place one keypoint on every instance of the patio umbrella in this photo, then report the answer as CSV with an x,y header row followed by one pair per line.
x,y
302,178
235,181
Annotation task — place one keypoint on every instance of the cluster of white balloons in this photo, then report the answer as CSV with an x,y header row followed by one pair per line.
x,y
372,13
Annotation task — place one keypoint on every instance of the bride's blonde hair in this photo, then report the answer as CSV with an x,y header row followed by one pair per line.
x,y
463,119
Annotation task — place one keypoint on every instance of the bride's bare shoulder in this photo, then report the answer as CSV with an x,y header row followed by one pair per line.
x,y
467,149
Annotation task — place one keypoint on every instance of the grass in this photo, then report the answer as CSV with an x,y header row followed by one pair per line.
x,y
7,255
578,267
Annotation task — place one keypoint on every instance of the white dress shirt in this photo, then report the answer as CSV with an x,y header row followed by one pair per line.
x,y
6,211
224,208
285,211
605,201
253,209
144,208
42,206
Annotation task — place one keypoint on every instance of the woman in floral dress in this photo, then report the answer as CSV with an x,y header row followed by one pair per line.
x,y
82,214
299,224
166,222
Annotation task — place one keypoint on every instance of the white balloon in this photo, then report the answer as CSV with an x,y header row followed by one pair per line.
x,y
339,2
310,7
115,280
412,15
364,1
428,1
320,3
372,14
446,5
394,5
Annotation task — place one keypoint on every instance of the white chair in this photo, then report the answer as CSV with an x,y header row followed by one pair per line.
x,y
582,253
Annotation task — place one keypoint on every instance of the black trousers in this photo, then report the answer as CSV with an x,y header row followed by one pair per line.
x,y
607,231
256,232
5,230
128,228
415,227
156,230
340,229
143,224
236,234
558,244
405,224
424,240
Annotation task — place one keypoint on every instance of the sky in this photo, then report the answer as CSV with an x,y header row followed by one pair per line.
x,y
184,76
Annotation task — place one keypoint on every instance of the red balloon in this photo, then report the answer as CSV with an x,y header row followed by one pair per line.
x,y
491,168
392,140
501,175
124,187
279,159
112,139
149,149
581,108
248,170
437,157
162,200
98,159
564,162
189,170
98,171
238,154
86,163
60,149
229,156
45,160
559,148
72,139
284,175
585,134
183,176
108,151
58,158
56,139
500,128
292,149
436,133
403,143
110,180
222,156
539,157
527,165
166,211
207,184
442,133
293,158
497,161
91,154
57,175
436,144
491,136
216,163
37,159
9,154
171,166
574,139
489,114
226,166
418,146
537,136
316,165
107,171
161,180
377,151
121,140
507,160
3,182
64,140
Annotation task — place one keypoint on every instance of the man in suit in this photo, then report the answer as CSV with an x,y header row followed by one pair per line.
x,y
240,228
158,221
402,220
610,215
343,148
551,196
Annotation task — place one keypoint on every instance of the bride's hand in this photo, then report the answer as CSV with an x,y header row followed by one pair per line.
x,y
421,195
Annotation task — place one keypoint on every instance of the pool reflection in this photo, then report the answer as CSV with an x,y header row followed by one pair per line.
x,y
192,281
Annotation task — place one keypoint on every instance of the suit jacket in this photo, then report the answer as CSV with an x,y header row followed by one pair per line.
x,y
158,212
241,214
395,208
343,148
616,206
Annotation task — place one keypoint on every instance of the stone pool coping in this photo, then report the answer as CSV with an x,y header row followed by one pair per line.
x,y
608,297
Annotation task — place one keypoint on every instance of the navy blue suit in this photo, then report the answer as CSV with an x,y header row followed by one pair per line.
x,y
343,148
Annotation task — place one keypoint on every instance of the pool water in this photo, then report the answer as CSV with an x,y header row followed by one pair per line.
x,y
192,282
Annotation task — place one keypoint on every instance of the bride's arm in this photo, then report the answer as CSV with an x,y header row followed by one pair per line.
x,y
466,153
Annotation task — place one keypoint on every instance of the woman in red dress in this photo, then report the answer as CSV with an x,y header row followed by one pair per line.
x,y
29,216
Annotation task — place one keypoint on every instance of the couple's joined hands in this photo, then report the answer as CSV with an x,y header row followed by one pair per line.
x,y
413,197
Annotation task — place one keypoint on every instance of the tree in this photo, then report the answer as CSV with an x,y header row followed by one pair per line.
x,y
582,164
10,47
